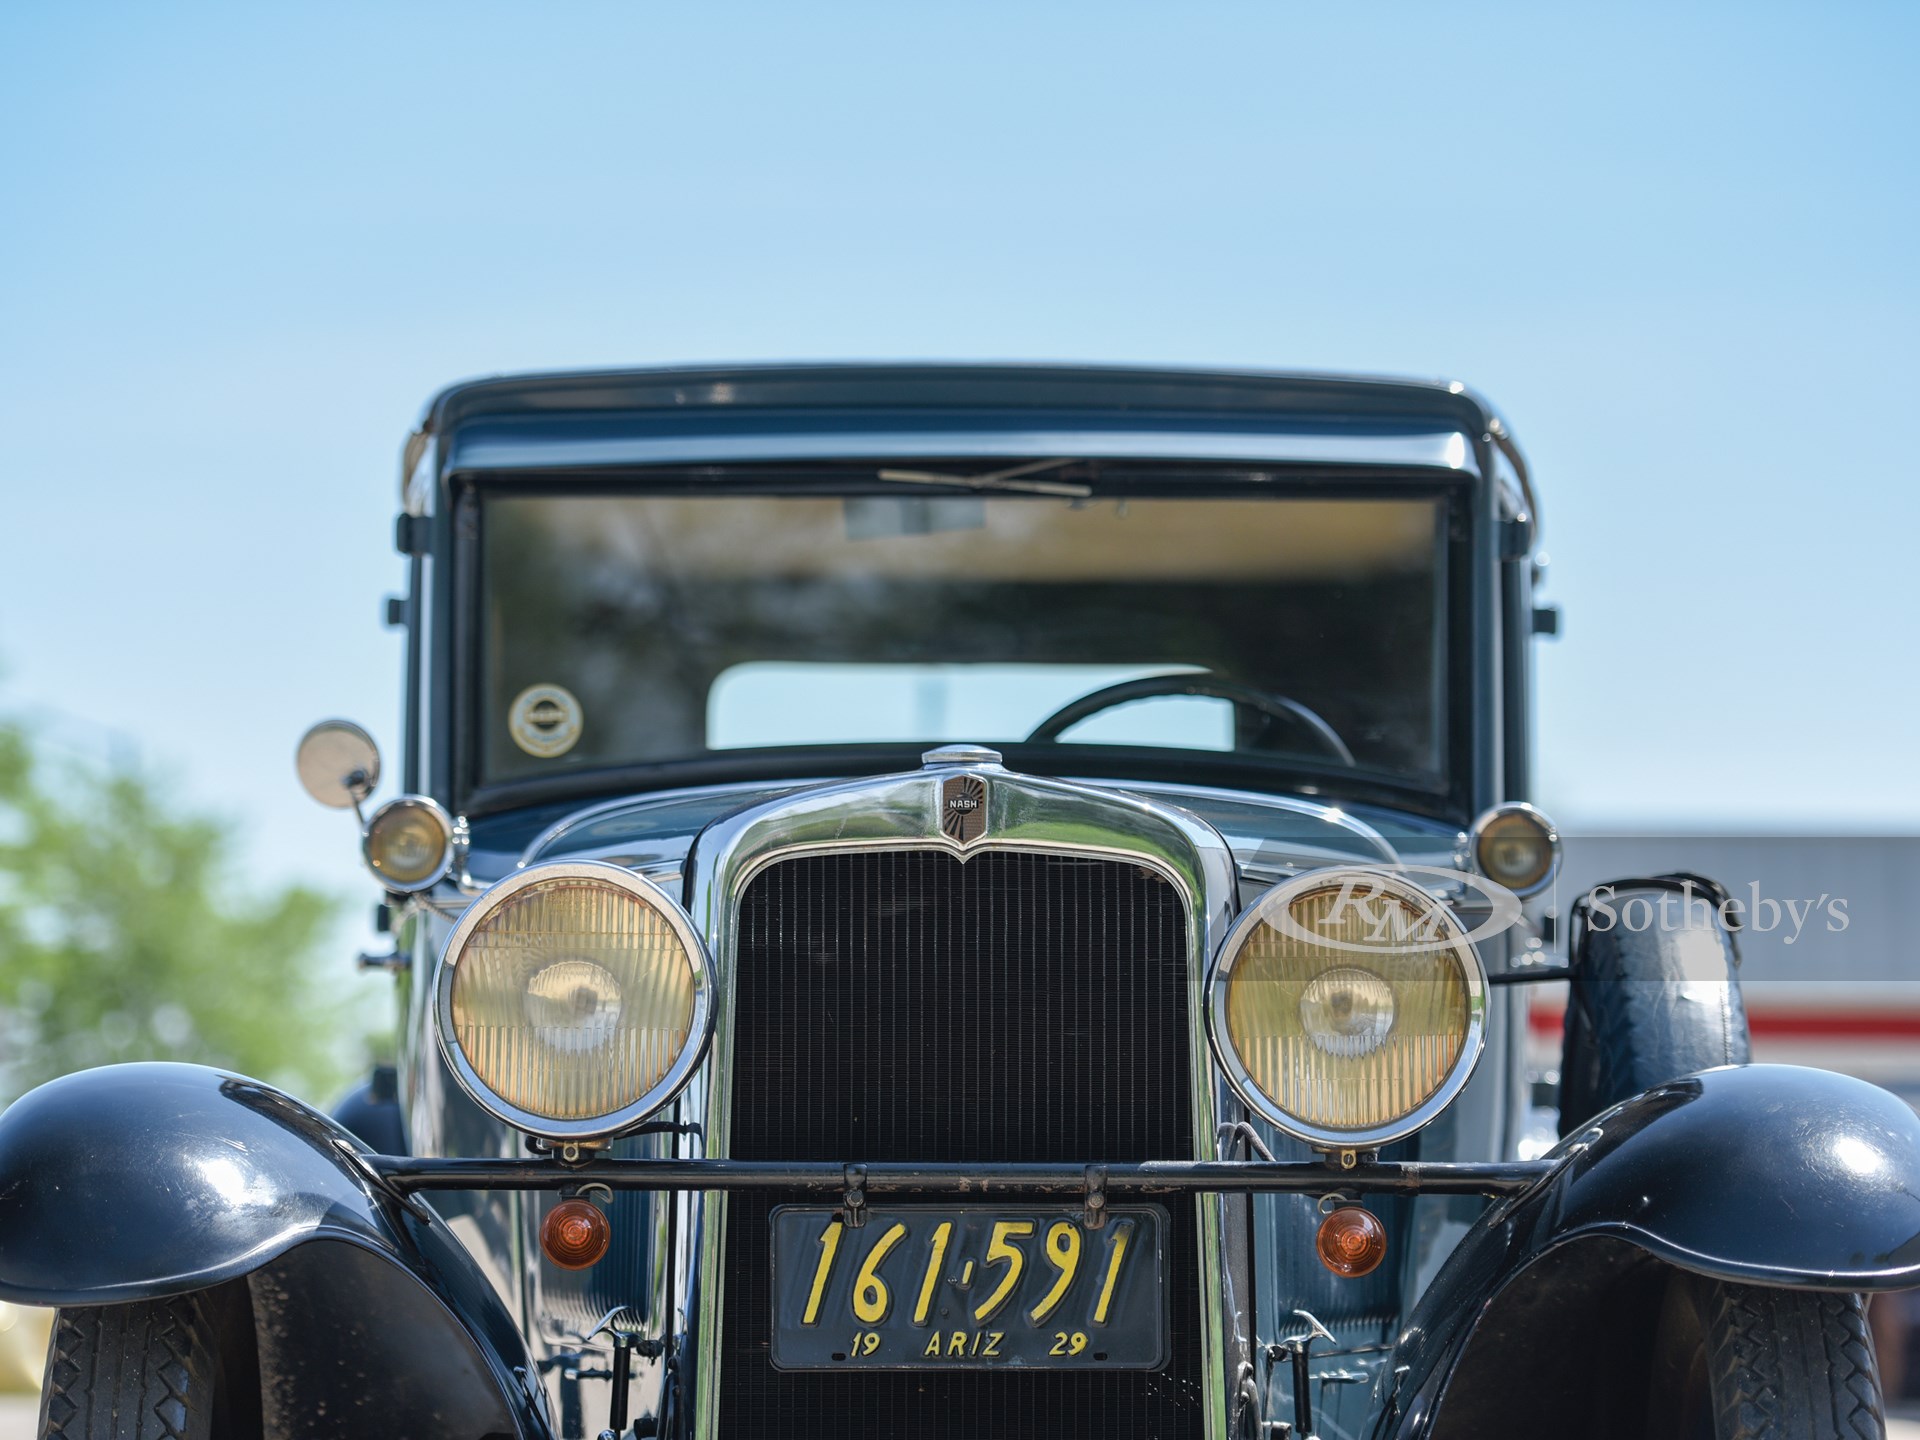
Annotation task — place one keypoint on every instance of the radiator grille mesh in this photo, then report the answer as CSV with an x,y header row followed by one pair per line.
x,y
905,1006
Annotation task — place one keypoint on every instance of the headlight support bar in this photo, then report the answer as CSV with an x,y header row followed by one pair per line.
x,y
974,1181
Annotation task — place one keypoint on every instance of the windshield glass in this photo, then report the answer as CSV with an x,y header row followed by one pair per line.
x,y
624,629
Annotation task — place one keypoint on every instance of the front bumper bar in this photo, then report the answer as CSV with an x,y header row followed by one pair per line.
x,y
959,1182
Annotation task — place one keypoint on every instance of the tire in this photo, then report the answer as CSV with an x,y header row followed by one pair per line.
x,y
179,1368
1739,1362
1651,1003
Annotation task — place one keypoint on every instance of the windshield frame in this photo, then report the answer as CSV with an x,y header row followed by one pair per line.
x,y
1447,796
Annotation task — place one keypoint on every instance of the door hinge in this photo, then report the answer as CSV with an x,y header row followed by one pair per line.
x,y
1516,537
412,534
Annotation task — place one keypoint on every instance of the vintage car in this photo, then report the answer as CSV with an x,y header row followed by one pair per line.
x,y
971,901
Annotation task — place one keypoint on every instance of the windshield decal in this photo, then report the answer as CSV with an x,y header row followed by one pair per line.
x,y
545,720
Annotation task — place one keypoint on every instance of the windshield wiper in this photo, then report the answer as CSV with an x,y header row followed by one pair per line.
x,y
999,480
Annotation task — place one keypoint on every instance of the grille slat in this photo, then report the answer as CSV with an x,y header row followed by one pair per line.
x,y
902,1005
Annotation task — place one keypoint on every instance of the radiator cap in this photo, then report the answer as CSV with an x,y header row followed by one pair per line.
x,y
959,755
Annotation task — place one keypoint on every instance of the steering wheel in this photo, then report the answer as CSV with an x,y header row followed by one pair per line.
x,y
1218,687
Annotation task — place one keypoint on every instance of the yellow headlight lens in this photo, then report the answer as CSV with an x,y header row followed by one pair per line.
x,y
1348,1000
573,997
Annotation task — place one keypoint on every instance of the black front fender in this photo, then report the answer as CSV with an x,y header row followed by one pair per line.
x,y
1758,1174
137,1181
1764,1174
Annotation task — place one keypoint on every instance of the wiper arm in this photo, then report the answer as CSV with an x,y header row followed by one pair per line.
x,y
1009,479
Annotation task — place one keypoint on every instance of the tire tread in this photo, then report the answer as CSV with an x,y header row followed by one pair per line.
x,y
1791,1365
128,1372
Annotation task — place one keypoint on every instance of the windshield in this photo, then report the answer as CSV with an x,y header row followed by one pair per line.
x,y
624,629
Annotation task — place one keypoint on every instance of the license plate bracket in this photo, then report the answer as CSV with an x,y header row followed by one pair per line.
x,y
969,1287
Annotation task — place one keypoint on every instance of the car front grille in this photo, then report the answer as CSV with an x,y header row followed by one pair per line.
x,y
903,1005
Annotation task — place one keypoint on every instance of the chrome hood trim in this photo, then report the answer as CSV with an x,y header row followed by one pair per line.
x,y
1275,835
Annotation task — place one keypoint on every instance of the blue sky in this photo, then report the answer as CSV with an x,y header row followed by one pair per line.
x,y
241,245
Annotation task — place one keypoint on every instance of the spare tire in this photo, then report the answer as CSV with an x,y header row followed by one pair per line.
x,y
1654,993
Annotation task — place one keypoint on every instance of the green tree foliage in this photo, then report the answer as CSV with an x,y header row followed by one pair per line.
x,y
124,935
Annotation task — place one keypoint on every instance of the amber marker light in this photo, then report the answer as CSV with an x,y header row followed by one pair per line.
x,y
1352,1242
575,1234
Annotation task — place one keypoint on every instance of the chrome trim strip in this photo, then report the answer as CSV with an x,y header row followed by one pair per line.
x,y
654,799
1024,813
699,1026
1473,973
496,445
1320,810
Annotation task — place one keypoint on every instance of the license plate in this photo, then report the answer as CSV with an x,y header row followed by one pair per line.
x,y
969,1288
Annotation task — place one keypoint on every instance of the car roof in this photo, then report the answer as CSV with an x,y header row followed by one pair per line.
x,y
609,420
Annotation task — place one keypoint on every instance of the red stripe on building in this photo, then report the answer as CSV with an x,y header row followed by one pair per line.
x,y
1794,1024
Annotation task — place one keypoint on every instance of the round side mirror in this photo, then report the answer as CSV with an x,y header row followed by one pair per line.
x,y
338,763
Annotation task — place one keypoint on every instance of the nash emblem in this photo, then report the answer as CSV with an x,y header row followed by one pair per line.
x,y
963,808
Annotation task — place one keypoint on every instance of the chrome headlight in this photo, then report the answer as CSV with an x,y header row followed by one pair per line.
x,y
409,844
1347,1007
574,1000
1516,846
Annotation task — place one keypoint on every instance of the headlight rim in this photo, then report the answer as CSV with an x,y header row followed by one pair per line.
x,y
699,1026
1220,972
